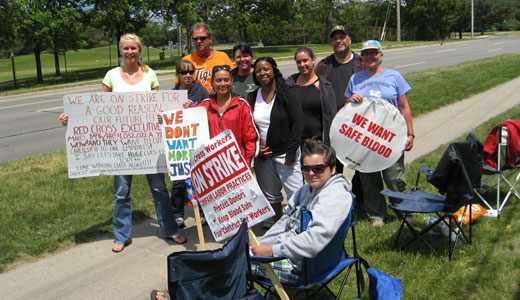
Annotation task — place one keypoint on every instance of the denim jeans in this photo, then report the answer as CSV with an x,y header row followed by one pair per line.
x,y
177,198
122,219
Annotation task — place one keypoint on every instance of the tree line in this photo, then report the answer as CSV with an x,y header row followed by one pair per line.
x,y
34,26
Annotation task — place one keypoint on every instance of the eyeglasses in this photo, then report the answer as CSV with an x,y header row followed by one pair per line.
x,y
191,72
201,38
220,68
371,53
316,169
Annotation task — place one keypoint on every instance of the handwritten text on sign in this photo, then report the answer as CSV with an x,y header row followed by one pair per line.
x,y
184,131
117,133
369,136
227,190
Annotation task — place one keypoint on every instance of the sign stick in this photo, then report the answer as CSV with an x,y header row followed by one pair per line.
x,y
199,227
274,279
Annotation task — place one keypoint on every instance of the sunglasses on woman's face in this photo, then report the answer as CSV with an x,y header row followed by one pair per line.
x,y
191,72
316,169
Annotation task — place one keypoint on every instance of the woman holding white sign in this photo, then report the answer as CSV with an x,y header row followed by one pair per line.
x,y
184,71
133,76
280,122
377,82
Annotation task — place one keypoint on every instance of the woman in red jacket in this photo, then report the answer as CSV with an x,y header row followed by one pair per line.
x,y
226,111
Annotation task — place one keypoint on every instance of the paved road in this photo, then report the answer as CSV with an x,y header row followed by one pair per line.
x,y
28,123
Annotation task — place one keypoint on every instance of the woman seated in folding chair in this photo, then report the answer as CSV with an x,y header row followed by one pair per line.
x,y
326,195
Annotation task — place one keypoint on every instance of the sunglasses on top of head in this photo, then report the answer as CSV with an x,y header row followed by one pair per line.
x,y
316,169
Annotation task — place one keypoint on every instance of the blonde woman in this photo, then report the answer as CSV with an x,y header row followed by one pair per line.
x,y
133,76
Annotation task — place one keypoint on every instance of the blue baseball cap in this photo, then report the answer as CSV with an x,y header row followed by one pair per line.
x,y
371,44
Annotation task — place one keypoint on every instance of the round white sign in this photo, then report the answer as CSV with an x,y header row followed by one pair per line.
x,y
368,136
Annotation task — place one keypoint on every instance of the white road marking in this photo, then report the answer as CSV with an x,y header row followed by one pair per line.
x,y
27,104
402,66
493,50
52,108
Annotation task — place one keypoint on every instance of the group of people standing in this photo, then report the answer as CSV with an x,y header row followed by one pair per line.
x,y
270,117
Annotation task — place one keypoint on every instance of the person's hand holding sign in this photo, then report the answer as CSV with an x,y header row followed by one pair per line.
x,y
356,98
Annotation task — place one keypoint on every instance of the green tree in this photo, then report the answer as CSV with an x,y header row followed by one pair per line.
x,y
430,19
490,12
65,28
124,16
34,30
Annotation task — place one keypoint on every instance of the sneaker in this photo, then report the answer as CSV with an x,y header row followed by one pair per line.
x,y
180,222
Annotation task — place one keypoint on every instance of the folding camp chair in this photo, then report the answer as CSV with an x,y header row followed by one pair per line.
x,y
457,174
500,162
319,271
213,274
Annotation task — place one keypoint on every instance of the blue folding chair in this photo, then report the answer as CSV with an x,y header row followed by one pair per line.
x,y
319,271
457,175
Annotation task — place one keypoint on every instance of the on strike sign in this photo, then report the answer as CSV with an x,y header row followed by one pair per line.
x,y
226,188
368,136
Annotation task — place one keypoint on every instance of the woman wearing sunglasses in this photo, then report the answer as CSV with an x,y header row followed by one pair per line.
x,y
280,122
196,93
226,111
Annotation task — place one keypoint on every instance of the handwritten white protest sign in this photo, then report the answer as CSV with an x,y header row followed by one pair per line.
x,y
368,136
226,188
184,131
117,133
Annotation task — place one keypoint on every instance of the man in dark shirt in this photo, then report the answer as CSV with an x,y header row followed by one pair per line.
x,y
338,68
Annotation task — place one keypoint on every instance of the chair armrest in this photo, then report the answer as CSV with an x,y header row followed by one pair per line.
x,y
264,259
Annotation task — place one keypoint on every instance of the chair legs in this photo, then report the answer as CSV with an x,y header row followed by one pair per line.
x,y
419,235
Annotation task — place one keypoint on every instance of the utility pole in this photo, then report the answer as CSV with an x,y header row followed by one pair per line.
x,y
472,18
398,5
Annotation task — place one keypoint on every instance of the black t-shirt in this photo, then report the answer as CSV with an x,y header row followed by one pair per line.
x,y
309,97
339,77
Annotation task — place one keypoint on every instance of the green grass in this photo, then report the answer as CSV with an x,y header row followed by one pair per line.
x,y
487,269
439,87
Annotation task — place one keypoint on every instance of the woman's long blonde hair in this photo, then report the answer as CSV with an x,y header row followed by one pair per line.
x,y
137,39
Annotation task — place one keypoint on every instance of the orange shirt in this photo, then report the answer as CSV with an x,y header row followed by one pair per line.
x,y
203,66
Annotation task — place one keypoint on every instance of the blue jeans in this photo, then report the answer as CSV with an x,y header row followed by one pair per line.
x,y
177,198
122,219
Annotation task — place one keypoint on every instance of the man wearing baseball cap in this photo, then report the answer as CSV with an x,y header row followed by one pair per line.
x,y
338,68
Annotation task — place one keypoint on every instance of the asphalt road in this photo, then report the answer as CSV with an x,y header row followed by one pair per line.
x,y
29,125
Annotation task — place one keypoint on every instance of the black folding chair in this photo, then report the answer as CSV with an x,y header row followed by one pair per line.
x,y
213,274
457,175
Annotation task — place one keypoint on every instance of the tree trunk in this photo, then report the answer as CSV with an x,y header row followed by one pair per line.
x,y
460,34
329,5
39,75
57,63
